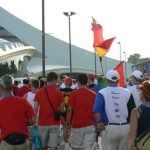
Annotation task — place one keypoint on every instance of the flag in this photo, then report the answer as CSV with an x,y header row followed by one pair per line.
x,y
98,33
101,46
119,69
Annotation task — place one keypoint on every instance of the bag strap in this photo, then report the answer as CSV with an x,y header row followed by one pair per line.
x,y
50,102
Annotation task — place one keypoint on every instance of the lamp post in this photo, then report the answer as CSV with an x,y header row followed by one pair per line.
x,y
95,63
120,50
69,14
43,38
125,63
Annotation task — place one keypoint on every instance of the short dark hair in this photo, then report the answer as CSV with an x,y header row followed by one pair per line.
x,y
52,76
82,78
42,83
26,81
112,82
35,83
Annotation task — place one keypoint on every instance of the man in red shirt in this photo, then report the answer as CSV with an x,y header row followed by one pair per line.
x,y
15,116
80,115
48,126
24,89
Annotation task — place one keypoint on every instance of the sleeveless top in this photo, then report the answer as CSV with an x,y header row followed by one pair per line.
x,y
144,120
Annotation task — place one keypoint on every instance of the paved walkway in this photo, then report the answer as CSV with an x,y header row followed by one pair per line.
x,y
99,141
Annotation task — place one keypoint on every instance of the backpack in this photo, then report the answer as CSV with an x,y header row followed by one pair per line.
x,y
143,140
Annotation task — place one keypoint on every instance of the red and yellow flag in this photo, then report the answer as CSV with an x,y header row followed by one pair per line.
x,y
101,46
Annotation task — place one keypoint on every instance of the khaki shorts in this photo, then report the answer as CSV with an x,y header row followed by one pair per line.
x,y
49,135
82,137
5,146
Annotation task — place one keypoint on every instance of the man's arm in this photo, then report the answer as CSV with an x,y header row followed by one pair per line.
x,y
62,107
36,108
98,108
133,129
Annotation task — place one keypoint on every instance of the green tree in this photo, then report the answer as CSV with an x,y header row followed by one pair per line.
x,y
136,58
13,68
133,59
7,69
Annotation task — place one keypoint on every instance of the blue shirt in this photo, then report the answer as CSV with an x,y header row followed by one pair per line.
x,y
99,107
96,88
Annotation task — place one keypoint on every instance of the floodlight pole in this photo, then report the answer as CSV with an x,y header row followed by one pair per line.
x,y
70,53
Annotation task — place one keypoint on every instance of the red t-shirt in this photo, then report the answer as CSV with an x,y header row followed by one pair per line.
x,y
22,91
15,113
82,102
15,90
46,114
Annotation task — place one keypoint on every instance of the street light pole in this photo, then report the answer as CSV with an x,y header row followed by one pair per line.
x,y
70,53
43,38
120,50
95,63
125,64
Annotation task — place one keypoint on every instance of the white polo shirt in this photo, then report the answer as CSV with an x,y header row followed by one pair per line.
x,y
136,95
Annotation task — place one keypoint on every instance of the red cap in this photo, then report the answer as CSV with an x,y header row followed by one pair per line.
x,y
91,76
68,81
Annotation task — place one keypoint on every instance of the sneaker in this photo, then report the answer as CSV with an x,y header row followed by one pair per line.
x,y
66,146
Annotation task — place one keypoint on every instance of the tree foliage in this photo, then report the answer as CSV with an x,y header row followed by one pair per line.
x,y
136,58
7,69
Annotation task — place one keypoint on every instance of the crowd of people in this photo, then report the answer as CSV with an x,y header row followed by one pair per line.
x,y
75,112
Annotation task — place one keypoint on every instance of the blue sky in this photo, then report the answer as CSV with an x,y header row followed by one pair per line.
x,y
128,20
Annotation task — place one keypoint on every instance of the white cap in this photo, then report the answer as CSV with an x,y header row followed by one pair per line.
x,y
112,75
137,74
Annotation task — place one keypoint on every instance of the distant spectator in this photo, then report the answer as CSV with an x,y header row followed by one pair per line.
x,y
97,87
16,82
24,89
135,80
35,84
90,83
66,92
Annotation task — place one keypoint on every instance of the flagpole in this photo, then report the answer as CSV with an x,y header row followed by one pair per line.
x,y
100,58
95,63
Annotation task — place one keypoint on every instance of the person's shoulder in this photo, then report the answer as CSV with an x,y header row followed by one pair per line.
x,y
136,112
40,90
124,89
103,90
91,91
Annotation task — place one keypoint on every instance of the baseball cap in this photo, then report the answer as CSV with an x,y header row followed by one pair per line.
x,y
68,80
112,75
137,74
7,82
91,76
